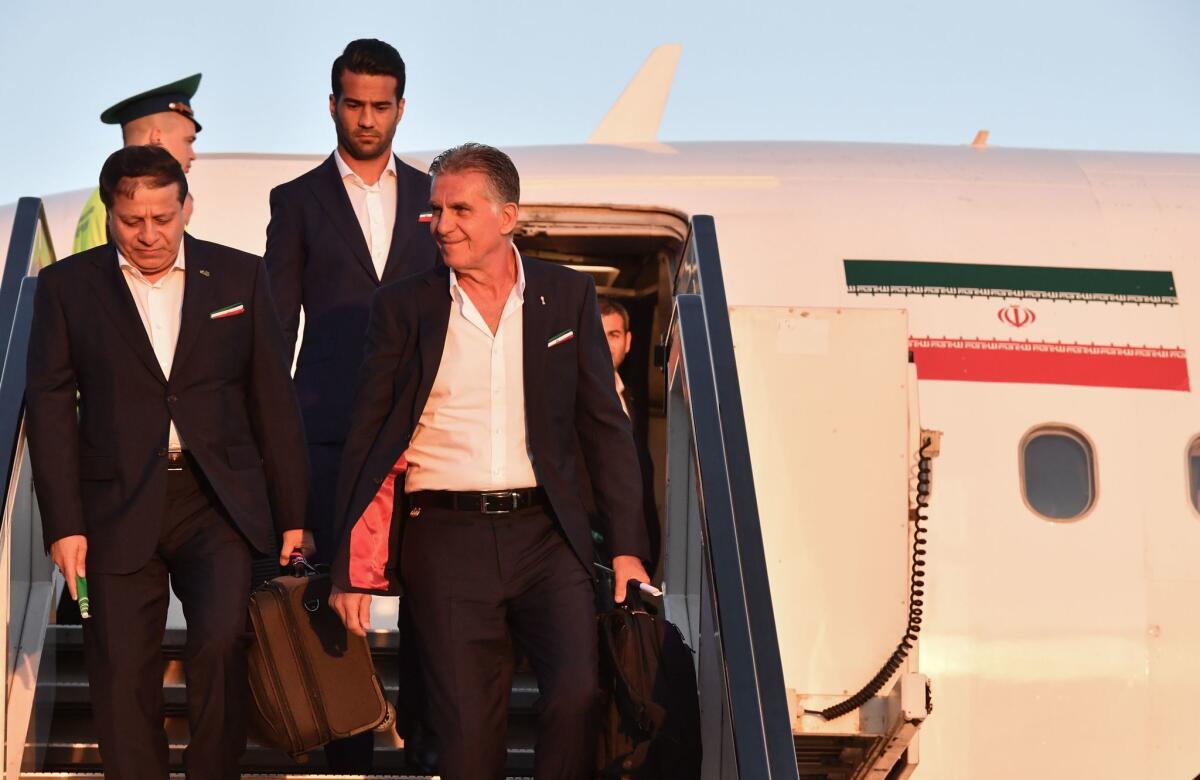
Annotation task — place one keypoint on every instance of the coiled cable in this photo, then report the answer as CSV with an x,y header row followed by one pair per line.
x,y
916,598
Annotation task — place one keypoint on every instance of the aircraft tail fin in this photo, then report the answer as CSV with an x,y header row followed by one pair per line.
x,y
635,117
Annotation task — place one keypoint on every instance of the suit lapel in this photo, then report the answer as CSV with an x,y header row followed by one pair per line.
x,y
331,193
431,335
534,316
119,303
197,300
402,228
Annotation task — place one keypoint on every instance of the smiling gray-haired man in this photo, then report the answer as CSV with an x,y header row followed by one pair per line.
x,y
480,379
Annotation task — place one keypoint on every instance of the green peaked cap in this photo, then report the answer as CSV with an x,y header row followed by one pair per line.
x,y
175,96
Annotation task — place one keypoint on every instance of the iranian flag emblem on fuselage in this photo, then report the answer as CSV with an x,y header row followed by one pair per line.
x,y
1098,327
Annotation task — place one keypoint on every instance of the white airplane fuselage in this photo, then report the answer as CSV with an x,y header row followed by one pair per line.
x,y
1056,649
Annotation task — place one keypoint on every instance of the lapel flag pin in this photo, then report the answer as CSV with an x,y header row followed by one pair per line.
x,y
425,216
204,272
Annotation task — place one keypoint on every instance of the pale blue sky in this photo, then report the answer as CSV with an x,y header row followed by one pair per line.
x,y
1089,74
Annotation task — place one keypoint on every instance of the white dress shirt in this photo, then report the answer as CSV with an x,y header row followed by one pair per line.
x,y
471,435
160,305
374,206
621,393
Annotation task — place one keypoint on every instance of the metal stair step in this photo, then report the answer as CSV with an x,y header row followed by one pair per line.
x,y
70,750
71,674
74,693
67,637
68,760
71,746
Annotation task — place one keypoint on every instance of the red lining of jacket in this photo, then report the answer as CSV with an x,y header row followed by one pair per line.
x,y
369,537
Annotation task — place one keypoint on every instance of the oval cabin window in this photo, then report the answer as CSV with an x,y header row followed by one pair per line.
x,y
1193,467
1058,473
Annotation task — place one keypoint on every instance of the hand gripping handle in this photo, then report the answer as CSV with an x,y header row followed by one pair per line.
x,y
299,564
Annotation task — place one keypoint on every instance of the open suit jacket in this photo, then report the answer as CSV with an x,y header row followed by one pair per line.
x,y
318,258
101,473
570,401
640,420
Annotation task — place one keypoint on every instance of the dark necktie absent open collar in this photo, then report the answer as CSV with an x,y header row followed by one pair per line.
x,y
536,320
626,401
198,300
410,203
434,318
117,300
331,194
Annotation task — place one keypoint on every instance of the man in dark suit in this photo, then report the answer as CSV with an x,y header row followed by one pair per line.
x,y
615,320
325,254
479,379
336,234
166,445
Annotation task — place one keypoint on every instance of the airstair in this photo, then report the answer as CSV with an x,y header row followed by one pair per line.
x,y
715,573
68,744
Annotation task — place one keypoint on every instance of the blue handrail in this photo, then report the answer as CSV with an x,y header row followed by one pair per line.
x,y
16,318
761,724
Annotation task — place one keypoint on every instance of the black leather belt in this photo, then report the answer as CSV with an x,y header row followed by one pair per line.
x,y
176,460
490,502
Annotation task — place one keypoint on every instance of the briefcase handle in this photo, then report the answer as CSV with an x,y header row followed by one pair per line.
x,y
299,564
633,599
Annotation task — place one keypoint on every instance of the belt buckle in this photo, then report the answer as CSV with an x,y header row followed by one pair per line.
x,y
506,501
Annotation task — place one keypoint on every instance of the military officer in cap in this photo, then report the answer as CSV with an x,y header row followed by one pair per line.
x,y
158,117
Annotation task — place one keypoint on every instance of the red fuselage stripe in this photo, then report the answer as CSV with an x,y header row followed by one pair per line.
x,y
1164,371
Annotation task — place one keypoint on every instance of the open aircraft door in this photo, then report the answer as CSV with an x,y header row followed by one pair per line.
x,y
796,476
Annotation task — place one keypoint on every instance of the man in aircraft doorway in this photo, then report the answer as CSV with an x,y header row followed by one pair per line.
x,y
161,116
615,319
337,233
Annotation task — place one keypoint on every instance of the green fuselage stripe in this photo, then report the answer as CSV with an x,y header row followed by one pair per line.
x,y
899,277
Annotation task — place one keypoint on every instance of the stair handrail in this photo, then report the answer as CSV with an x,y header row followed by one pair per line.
x,y
754,670
28,249
27,586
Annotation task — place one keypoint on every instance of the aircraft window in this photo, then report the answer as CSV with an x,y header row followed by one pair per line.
x,y
1194,472
1058,473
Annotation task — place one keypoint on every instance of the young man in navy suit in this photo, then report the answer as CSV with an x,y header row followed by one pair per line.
x,y
336,234
166,446
480,381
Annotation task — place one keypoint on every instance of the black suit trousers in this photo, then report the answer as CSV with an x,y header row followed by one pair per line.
x,y
475,583
207,562
324,462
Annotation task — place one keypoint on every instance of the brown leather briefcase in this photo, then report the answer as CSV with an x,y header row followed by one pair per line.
x,y
311,681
